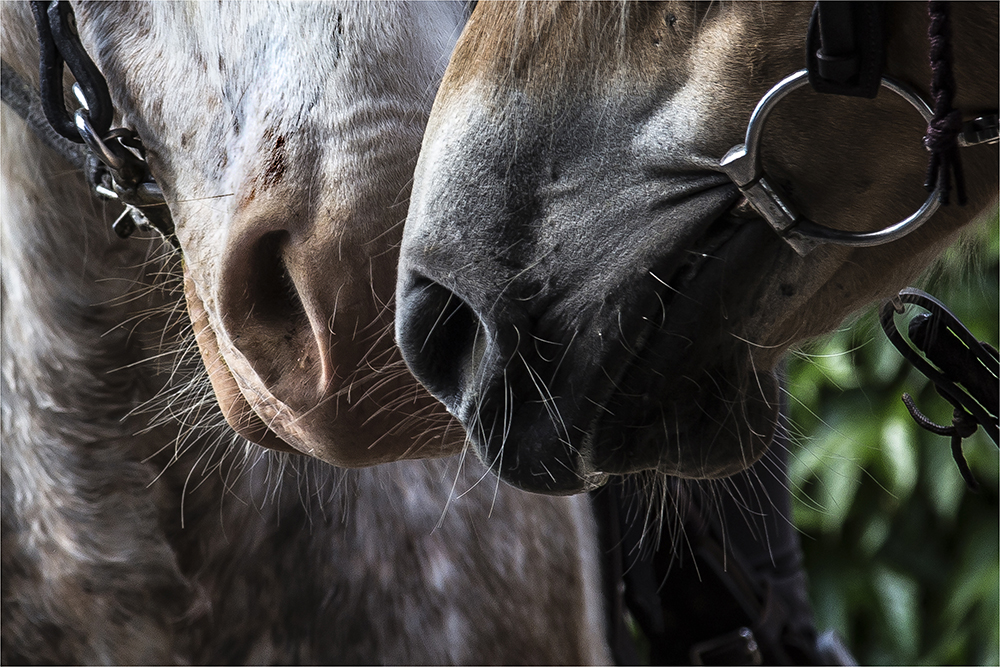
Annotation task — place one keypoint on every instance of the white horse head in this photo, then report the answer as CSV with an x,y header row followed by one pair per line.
x,y
284,141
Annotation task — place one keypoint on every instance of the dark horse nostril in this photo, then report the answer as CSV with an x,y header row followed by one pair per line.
x,y
275,299
440,338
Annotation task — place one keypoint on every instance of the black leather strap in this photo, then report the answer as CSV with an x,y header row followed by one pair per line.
x,y
606,510
730,590
845,48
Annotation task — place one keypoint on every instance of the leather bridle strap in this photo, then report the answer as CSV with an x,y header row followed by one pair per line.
x,y
943,131
845,48
114,160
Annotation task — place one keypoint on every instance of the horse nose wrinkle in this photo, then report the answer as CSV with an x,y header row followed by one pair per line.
x,y
440,336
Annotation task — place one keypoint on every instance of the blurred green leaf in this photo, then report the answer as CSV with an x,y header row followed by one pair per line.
x,y
875,534
898,457
903,560
947,491
898,597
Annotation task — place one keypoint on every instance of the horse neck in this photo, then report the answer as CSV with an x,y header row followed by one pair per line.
x,y
69,339
66,286
19,47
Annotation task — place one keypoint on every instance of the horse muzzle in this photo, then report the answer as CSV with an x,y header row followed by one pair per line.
x,y
575,347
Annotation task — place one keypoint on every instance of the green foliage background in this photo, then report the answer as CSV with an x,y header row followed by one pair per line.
x,y
902,558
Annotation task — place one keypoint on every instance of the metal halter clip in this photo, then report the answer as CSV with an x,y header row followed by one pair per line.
x,y
115,163
126,177
111,159
982,130
964,370
742,164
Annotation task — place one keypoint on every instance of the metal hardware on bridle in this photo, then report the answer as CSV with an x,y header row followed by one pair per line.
x,y
124,177
849,61
964,370
116,167
742,164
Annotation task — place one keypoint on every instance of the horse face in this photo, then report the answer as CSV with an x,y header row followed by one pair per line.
x,y
284,137
579,283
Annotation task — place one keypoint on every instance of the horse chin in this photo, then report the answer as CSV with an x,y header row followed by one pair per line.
x,y
672,389
721,435
692,401
691,430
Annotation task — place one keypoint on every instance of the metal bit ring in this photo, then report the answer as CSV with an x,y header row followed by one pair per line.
x,y
742,164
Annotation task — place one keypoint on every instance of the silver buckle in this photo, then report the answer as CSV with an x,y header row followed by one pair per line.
x,y
982,130
131,183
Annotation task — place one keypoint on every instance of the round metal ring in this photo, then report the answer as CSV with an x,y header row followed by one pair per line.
x,y
742,164
95,143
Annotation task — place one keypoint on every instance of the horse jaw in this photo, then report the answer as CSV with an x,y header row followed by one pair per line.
x,y
288,203
614,318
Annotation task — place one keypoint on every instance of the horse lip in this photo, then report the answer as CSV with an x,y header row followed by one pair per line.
x,y
687,214
744,209
721,231
590,468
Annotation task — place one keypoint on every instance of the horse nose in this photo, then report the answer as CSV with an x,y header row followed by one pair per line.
x,y
275,311
482,358
441,337
294,318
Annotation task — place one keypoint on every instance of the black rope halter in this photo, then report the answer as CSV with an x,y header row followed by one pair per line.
x,y
945,128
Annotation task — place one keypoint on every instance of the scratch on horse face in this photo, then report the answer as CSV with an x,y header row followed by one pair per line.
x,y
574,251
